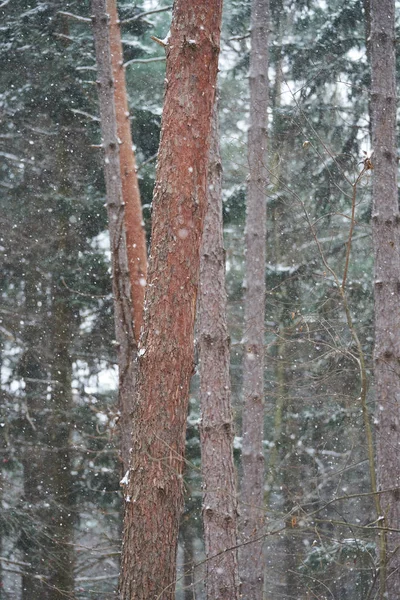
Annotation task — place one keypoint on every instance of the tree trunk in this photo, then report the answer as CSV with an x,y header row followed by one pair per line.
x,y
153,495
385,229
135,234
63,510
34,536
216,428
124,333
134,229
252,489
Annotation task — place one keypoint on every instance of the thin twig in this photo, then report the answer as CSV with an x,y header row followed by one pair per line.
x,y
144,60
144,14
237,38
85,114
367,166
146,162
74,17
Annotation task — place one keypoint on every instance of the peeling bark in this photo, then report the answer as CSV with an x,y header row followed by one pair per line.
x,y
216,428
252,489
386,241
153,496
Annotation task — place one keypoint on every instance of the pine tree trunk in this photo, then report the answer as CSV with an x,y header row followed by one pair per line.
x,y
216,428
63,511
34,535
386,240
153,495
121,283
252,490
135,234
134,229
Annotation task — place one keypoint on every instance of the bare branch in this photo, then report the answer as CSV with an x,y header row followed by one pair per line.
x,y
85,114
88,68
147,161
144,14
144,60
98,578
74,17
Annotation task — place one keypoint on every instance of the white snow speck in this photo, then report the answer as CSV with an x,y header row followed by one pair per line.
x,y
125,479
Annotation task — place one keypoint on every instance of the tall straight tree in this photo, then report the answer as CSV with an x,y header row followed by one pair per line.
x,y
216,426
386,240
154,492
134,227
121,283
252,488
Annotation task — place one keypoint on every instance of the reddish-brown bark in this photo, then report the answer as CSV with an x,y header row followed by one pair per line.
x,y
132,210
126,343
216,426
386,240
135,234
251,563
153,495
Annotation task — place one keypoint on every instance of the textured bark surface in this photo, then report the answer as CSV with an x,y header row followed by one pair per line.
x,y
135,234
386,240
124,333
216,426
154,493
134,228
252,489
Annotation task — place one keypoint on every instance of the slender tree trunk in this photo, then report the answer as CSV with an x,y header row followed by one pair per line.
x,y
153,495
386,240
34,536
121,283
252,489
135,234
216,428
63,510
134,228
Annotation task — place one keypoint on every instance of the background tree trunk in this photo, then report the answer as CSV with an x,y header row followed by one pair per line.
x,y
124,332
154,493
385,228
216,425
34,535
59,462
252,489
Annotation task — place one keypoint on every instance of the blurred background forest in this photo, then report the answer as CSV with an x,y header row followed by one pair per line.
x,y
61,504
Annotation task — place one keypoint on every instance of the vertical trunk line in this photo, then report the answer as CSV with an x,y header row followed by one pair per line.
x,y
121,283
134,227
252,490
154,494
216,427
386,242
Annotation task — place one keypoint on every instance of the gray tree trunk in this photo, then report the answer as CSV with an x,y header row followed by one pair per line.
x,y
252,489
216,428
124,332
386,240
